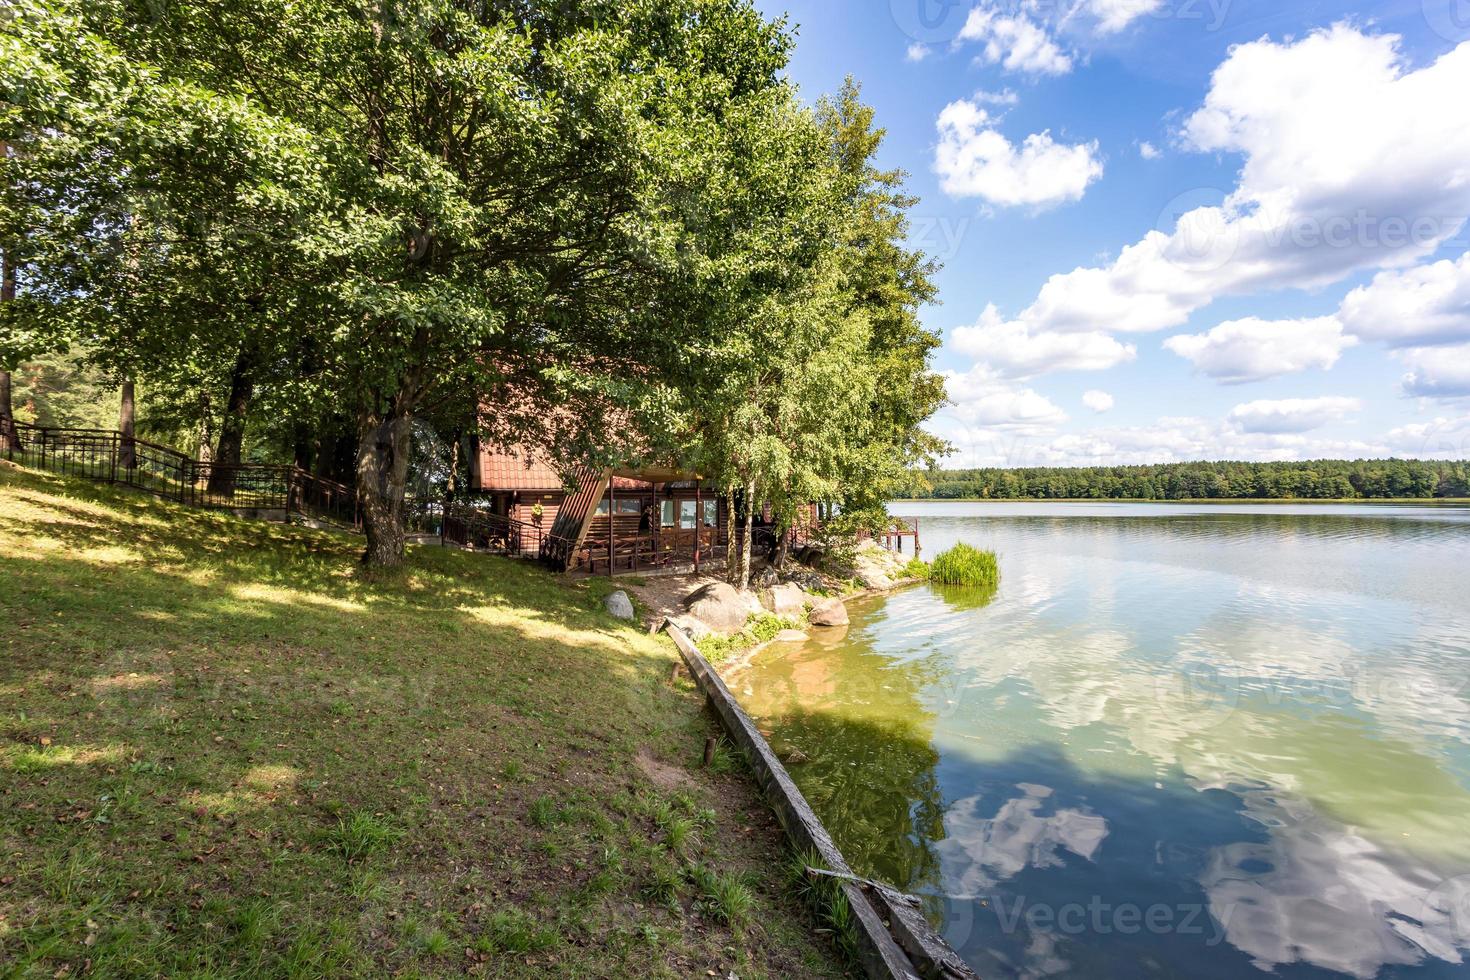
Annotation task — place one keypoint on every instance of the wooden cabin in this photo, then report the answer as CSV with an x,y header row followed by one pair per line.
x,y
647,516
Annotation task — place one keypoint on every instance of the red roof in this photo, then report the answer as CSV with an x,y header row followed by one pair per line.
x,y
517,470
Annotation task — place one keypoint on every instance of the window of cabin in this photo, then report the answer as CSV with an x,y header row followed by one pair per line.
x,y
630,505
601,510
687,514
666,514
711,513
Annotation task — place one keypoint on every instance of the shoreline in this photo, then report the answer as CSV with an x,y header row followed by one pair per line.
x,y
1212,501
734,668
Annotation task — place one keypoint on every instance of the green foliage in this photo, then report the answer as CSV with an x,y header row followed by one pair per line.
x,y
1322,479
963,564
725,897
759,628
360,835
917,568
61,390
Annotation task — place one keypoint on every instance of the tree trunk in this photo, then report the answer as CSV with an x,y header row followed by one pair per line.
x,y
9,435
382,479
745,548
453,484
477,478
232,427
732,555
127,456
778,558
205,453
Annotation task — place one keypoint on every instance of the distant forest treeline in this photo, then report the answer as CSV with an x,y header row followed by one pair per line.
x,y
1318,479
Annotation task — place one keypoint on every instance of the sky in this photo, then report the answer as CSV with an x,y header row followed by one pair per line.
x,y
1178,229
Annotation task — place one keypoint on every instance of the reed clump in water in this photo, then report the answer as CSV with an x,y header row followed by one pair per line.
x,y
966,565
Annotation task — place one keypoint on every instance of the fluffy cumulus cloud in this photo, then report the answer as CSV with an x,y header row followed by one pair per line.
x,y
1098,401
1010,350
1015,42
1444,437
1172,439
1251,349
1114,15
917,52
1148,151
973,159
1366,165
981,398
1425,305
1291,415
1437,372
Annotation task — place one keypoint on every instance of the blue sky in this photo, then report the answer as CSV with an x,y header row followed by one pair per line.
x,y
1178,229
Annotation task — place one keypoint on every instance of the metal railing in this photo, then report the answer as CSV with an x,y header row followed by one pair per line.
x,y
474,527
108,456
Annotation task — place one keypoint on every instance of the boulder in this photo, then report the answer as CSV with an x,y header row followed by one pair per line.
x,y
872,577
829,612
876,567
721,606
786,601
619,604
764,578
805,578
790,636
693,628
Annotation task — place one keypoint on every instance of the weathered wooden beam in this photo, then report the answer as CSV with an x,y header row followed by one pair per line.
x,y
882,955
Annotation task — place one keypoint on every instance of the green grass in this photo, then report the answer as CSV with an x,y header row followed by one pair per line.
x,y
226,752
917,568
963,564
759,628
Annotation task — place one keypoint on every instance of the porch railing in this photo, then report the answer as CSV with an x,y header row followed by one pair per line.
x,y
470,526
108,456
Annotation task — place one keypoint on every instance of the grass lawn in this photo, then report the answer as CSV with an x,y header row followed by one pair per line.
x,y
226,751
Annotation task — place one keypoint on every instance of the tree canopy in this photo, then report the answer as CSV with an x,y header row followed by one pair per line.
x,y
1323,479
517,219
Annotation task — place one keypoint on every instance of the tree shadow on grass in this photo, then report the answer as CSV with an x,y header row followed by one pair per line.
x,y
192,708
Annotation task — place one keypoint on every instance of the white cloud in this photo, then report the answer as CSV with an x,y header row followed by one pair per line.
x,y
1003,97
974,160
1114,15
1351,162
1098,401
1251,349
1015,43
1439,438
1170,440
980,398
1425,305
1009,349
1148,151
1291,415
917,52
1437,372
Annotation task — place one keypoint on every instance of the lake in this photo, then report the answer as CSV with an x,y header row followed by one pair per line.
x,y
1178,741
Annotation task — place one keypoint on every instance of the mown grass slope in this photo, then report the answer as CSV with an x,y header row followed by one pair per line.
x,y
225,751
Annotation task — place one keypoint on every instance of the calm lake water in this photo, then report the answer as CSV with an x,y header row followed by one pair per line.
x,y
1179,741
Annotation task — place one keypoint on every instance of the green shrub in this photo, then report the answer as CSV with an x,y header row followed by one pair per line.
x,y
916,568
965,565
359,836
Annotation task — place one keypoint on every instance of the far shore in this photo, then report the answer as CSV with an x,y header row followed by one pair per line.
x,y
1371,501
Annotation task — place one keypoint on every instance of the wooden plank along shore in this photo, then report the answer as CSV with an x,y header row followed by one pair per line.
x,y
896,941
